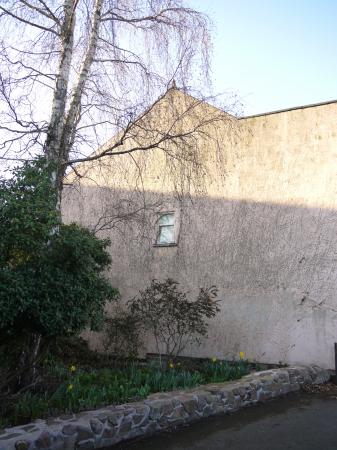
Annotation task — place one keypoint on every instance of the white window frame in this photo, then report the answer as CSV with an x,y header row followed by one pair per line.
x,y
173,226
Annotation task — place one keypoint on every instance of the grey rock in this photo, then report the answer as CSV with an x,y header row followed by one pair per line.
x,y
69,429
109,442
139,420
44,441
109,432
86,444
66,417
102,417
30,428
208,411
160,407
136,432
142,409
115,418
96,426
125,426
179,414
22,445
10,435
84,432
70,442
189,403
150,428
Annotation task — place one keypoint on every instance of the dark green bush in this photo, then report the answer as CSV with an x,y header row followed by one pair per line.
x,y
51,275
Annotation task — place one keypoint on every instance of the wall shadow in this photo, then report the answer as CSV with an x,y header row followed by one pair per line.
x,y
275,266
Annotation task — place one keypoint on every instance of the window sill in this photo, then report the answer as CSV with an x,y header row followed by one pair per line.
x,y
173,244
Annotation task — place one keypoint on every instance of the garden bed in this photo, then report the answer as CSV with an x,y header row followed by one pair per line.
x,y
73,379
107,426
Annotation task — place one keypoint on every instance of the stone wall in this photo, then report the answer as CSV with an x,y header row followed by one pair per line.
x,y
112,424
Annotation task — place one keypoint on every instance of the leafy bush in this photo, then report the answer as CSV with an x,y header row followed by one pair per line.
x,y
27,214
170,317
51,275
51,278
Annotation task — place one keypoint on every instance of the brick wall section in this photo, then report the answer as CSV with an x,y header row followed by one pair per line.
x,y
109,425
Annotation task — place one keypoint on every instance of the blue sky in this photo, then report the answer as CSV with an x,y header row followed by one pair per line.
x,y
274,54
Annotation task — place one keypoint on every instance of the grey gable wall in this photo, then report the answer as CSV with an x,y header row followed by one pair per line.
x,y
264,232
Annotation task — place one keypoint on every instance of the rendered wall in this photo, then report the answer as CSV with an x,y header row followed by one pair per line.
x,y
263,231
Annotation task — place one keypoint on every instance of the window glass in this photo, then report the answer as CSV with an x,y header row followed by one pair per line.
x,y
166,229
166,219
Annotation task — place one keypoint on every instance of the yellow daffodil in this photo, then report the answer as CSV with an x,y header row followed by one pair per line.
x,y
171,365
242,355
214,359
72,369
70,387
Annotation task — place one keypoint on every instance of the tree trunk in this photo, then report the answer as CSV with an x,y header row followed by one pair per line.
x,y
57,119
73,114
28,363
63,124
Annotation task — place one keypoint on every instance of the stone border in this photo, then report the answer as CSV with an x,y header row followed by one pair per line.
x,y
108,426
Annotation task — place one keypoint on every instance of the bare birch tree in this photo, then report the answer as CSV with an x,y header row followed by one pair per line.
x,y
75,72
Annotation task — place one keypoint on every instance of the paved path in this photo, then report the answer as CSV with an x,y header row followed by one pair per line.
x,y
303,421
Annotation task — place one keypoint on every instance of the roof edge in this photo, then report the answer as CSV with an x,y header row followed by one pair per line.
x,y
278,111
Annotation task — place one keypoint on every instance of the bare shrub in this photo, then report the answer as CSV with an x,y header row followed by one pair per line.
x,y
168,315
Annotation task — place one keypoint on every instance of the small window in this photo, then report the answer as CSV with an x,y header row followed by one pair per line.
x,y
166,233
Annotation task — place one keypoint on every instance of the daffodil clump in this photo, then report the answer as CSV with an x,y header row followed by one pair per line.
x,y
217,370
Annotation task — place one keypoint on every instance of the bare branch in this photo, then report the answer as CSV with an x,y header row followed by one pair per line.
x,y
32,24
47,14
107,74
